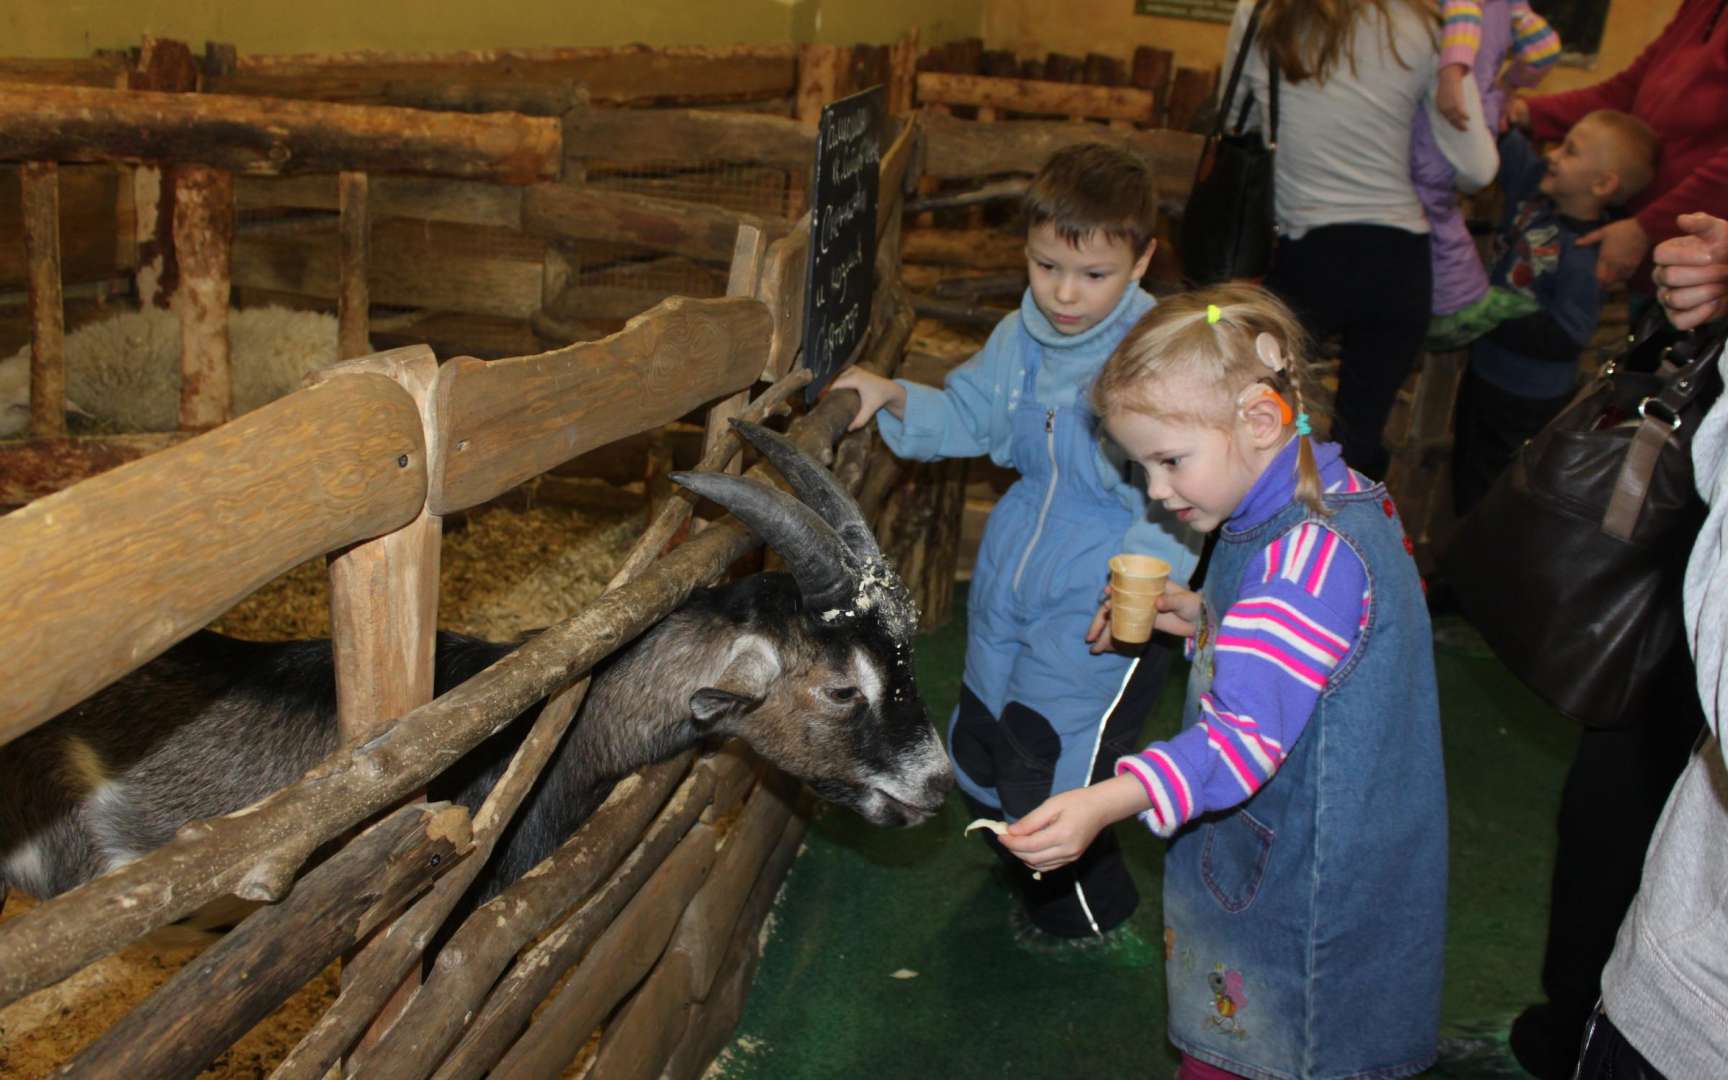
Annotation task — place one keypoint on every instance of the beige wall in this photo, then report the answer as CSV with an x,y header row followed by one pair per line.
x,y
1632,24
69,28
1036,27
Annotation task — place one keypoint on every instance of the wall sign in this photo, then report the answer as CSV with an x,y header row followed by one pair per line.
x,y
842,234
1201,10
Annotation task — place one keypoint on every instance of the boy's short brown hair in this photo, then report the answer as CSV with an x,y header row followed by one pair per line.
x,y
1632,150
1094,187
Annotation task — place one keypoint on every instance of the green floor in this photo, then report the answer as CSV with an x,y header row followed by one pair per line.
x,y
890,953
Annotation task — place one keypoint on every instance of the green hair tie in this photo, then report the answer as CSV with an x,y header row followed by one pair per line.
x,y
1302,425
1213,314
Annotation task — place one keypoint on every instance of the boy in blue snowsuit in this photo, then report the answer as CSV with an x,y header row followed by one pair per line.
x,y
1039,712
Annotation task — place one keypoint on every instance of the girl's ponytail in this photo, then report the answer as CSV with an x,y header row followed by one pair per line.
x,y
1309,490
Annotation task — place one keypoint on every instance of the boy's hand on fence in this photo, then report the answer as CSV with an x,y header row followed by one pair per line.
x,y
874,393
1449,96
1063,826
1692,271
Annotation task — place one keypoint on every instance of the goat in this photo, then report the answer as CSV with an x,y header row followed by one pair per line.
x,y
812,668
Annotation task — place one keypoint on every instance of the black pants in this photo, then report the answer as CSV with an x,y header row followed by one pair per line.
x,y
1619,782
1488,426
1609,1056
1017,755
1372,286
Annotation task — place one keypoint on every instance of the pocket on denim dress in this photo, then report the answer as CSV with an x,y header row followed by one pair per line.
x,y
1233,859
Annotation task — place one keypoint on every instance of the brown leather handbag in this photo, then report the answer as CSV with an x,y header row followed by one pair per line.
x,y
1570,567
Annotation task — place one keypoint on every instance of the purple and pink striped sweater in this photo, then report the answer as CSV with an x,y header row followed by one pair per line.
x,y
1298,613
1535,45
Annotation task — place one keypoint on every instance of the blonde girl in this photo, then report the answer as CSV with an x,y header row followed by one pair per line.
x,y
1305,880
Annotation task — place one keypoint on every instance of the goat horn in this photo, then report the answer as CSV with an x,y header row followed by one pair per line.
x,y
824,567
815,486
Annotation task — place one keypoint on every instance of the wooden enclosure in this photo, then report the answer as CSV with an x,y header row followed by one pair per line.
x,y
645,923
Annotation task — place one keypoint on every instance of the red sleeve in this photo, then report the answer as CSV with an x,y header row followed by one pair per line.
x,y
1552,115
1705,189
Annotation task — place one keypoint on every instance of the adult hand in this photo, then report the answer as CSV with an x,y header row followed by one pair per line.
x,y
1692,271
1623,246
1515,114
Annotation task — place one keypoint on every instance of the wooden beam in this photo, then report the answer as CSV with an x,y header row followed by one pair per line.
x,y
107,71
821,68
203,246
40,182
416,264
108,574
956,148
425,198
537,81
903,74
264,137
513,419
619,959
1020,95
682,228
207,1005
636,136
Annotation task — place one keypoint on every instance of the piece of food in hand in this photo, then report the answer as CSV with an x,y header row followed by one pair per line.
x,y
997,827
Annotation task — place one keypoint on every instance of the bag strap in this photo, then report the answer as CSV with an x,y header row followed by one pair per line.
x,y
1236,78
1660,421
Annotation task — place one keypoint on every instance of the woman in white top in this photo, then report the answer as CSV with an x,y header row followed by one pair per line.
x,y
1352,253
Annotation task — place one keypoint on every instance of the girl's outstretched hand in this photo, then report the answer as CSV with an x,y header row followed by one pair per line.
x,y
874,392
1063,826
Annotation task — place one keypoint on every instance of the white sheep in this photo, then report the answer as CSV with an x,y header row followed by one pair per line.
x,y
124,372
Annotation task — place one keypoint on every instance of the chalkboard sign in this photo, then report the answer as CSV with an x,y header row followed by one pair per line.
x,y
842,234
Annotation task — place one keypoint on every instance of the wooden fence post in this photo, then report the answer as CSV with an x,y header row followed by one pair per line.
x,y
41,184
203,244
168,66
384,605
353,296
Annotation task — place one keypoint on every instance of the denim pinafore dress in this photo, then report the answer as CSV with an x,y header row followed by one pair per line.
x,y
1304,929
1042,566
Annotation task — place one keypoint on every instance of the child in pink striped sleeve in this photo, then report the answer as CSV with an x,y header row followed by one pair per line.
x,y
1304,885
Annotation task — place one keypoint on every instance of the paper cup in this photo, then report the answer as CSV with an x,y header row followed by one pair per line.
x,y
1136,583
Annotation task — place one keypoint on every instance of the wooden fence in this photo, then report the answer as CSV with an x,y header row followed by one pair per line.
x,y
657,917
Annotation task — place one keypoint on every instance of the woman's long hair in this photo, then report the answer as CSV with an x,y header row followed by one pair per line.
x,y
1306,38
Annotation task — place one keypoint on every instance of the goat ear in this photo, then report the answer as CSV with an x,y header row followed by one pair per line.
x,y
750,668
713,705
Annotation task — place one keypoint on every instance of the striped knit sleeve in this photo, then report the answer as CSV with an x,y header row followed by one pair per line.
x,y
1298,614
1460,32
1535,46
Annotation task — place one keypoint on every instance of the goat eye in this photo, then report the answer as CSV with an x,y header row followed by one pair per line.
x,y
842,694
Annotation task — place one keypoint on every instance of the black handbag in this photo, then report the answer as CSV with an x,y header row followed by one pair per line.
x,y
1571,565
1228,228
